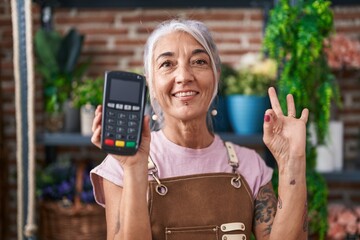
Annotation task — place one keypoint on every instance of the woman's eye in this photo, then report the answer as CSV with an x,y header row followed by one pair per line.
x,y
165,64
200,62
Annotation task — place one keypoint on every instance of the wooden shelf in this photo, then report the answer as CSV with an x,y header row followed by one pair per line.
x,y
76,139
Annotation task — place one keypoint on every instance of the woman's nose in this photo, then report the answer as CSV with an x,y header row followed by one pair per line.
x,y
184,74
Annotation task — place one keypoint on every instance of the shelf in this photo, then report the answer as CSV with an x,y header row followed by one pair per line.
x,y
76,139
345,176
64,139
245,140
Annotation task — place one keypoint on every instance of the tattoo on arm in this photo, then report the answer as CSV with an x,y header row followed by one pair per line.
x,y
265,208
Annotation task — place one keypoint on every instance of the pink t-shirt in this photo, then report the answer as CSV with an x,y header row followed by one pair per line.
x,y
173,160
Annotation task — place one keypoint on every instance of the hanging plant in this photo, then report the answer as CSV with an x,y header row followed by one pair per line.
x,y
295,38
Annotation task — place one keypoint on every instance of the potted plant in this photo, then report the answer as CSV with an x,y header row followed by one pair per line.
x,y
294,37
57,63
87,94
246,93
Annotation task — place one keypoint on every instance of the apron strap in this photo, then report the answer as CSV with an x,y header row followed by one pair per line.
x,y
151,165
233,159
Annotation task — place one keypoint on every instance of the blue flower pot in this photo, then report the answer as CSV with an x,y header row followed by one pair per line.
x,y
246,113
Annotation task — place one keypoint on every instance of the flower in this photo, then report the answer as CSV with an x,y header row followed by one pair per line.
x,y
254,75
57,182
343,52
344,222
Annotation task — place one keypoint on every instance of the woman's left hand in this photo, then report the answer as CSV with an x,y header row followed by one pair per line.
x,y
285,136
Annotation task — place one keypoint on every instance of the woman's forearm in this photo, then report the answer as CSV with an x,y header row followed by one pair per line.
x,y
291,216
134,215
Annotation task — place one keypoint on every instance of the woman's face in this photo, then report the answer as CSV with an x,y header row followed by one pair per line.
x,y
183,80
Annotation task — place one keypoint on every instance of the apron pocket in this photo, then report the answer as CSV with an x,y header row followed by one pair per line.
x,y
192,233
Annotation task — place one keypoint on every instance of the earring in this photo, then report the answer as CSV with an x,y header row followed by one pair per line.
x,y
154,117
214,112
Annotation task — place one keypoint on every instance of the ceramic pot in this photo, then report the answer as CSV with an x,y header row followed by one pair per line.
x,y
246,113
87,114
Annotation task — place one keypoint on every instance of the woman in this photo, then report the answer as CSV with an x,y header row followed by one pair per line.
x,y
200,188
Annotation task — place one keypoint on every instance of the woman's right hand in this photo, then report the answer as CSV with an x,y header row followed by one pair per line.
x,y
141,156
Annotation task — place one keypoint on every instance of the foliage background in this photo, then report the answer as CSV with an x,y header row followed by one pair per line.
x,y
295,37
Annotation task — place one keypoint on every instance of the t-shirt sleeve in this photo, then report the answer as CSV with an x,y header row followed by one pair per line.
x,y
264,176
254,169
110,170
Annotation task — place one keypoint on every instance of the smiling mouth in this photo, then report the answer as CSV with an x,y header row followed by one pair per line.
x,y
185,94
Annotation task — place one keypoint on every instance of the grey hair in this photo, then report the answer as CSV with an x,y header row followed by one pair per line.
x,y
201,33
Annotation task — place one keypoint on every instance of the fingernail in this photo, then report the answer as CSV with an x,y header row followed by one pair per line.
x,y
267,118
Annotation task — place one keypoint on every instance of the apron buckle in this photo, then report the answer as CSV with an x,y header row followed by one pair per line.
x,y
161,189
236,181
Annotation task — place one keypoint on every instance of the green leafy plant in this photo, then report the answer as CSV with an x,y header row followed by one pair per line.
x,y
227,71
88,91
295,37
253,79
57,63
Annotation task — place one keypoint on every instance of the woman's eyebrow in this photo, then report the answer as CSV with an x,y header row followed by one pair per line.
x,y
165,54
199,50
170,54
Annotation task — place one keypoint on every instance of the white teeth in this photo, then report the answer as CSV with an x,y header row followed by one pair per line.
x,y
184,94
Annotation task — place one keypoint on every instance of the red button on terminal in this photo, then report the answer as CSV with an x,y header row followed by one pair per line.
x,y
109,142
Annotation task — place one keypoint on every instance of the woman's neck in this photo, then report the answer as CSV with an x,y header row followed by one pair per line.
x,y
194,134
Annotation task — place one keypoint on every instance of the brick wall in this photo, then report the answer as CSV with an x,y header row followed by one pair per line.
x,y
347,22
7,93
114,40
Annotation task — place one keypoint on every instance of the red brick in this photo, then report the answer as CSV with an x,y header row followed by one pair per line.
x,y
103,52
223,40
90,11
350,87
93,42
146,30
353,29
144,18
333,197
104,31
350,111
338,16
93,18
217,15
5,22
136,64
256,40
257,16
7,32
236,29
127,42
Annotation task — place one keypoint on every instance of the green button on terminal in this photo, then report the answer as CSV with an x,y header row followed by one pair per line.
x,y
130,144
